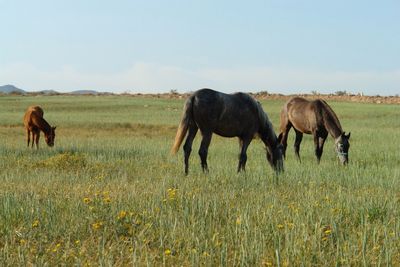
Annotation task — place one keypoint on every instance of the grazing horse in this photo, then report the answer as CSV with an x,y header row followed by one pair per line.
x,y
235,115
313,117
34,123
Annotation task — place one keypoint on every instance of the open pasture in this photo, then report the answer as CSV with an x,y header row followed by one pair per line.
x,y
110,193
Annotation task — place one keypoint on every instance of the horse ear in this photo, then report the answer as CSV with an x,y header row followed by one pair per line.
x,y
348,135
54,127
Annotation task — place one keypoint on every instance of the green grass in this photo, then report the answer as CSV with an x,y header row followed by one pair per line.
x,y
109,193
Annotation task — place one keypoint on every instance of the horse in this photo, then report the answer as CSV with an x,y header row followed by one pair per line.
x,y
313,117
34,123
228,115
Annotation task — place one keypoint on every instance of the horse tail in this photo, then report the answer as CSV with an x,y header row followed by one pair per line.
x,y
183,125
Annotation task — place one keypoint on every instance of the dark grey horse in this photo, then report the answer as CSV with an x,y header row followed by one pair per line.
x,y
235,115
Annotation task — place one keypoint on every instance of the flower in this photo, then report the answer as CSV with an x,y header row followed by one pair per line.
x,y
280,226
171,192
107,199
97,225
87,200
328,231
238,221
55,249
167,252
122,214
35,223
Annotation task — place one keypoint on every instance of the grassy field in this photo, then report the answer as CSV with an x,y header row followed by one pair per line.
x,y
109,192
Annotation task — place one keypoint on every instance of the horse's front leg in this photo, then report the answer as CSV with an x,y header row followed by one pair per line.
x,y
244,144
203,151
319,145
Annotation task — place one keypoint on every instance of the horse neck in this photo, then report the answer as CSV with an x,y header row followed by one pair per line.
x,y
267,132
331,122
42,124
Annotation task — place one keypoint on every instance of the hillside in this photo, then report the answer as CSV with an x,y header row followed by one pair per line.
x,y
7,89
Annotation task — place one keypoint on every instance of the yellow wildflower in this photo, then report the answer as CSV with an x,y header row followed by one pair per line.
x,y
107,199
87,200
238,221
122,214
56,247
22,242
167,252
290,225
280,226
171,192
328,231
35,223
97,225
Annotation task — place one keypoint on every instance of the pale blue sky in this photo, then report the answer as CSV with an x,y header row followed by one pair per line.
x,y
155,46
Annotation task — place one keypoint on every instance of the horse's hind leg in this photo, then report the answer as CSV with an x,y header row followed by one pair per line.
x,y
36,139
187,147
203,151
28,137
285,128
244,144
297,142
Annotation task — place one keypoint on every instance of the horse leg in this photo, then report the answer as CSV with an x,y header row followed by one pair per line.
x,y
284,136
284,127
28,136
244,144
37,136
318,150
321,142
33,138
203,151
297,142
187,147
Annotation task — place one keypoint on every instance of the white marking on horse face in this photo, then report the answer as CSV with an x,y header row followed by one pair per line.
x,y
342,149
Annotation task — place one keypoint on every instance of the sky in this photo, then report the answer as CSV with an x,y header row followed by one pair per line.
x,y
153,46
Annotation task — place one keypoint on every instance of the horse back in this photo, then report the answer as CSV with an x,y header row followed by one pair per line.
x,y
32,114
225,114
303,114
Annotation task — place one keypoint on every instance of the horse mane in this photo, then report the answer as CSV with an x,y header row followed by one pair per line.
x,y
331,121
41,123
265,122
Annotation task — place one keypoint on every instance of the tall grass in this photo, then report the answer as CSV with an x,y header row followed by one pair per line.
x,y
109,193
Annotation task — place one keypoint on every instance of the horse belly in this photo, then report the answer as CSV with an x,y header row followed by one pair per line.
x,y
301,125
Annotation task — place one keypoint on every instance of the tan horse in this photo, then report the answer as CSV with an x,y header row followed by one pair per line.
x,y
316,118
34,123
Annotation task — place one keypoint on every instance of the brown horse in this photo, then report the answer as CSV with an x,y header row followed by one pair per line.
x,y
34,123
235,115
313,117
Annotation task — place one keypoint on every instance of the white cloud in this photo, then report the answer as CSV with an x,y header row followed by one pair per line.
x,y
149,77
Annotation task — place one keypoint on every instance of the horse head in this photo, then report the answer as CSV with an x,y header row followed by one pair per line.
x,y
50,136
342,146
275,157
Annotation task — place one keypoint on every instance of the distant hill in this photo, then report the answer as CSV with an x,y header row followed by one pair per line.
x,y
84,92
7,89
48,92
